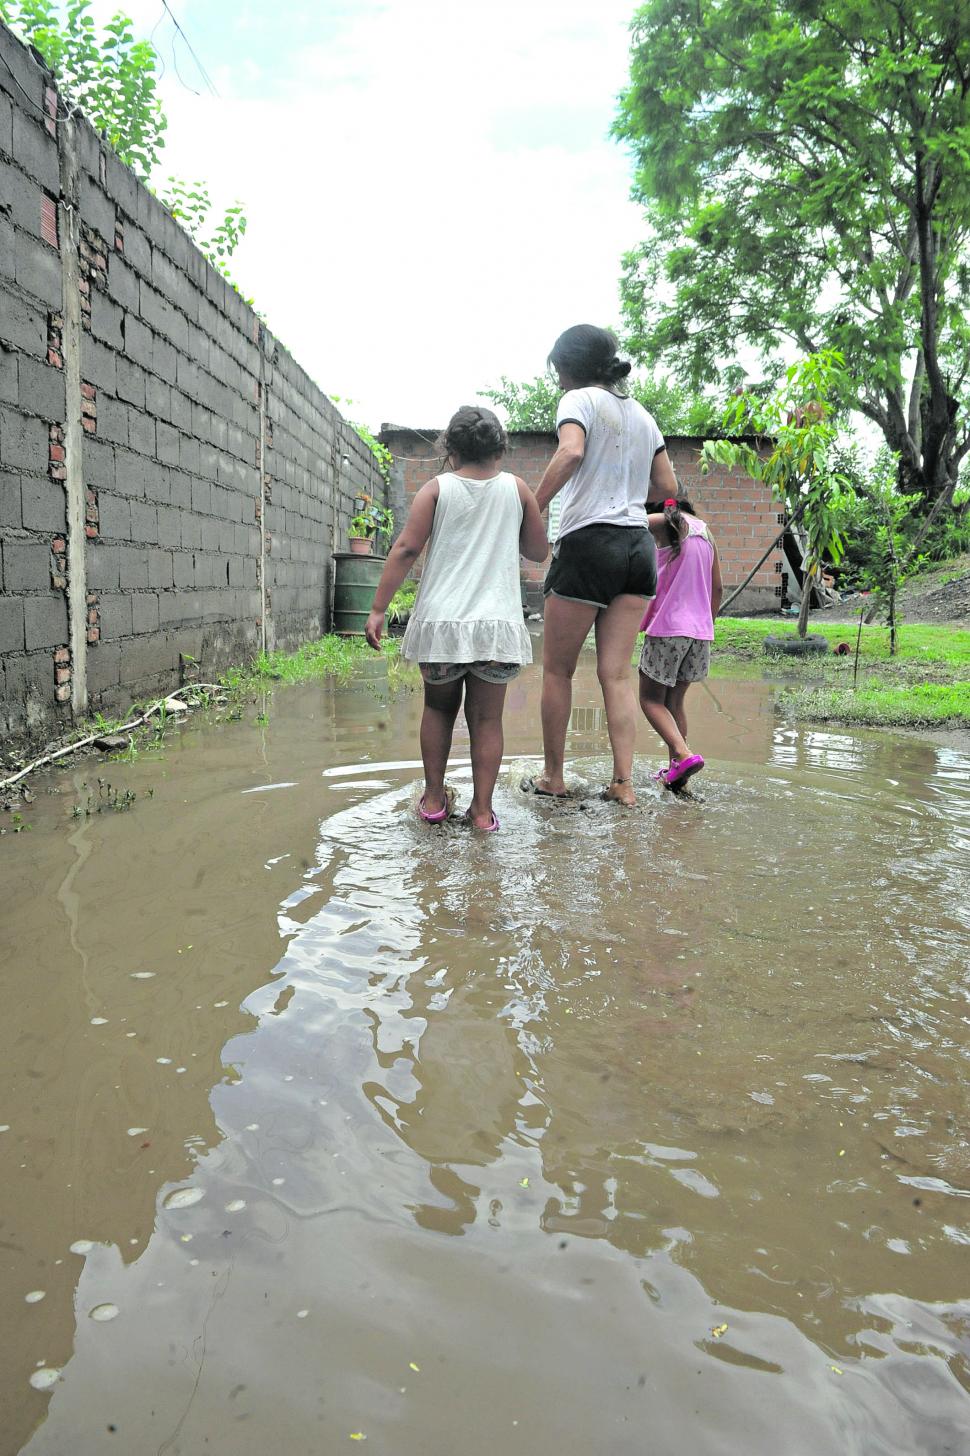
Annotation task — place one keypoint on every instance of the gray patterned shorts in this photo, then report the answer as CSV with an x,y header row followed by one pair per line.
x,y
438,673
673,660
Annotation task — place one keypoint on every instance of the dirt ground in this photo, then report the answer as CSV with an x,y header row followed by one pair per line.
x,y
941,595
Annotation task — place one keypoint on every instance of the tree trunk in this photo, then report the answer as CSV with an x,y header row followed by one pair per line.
x,y
807,581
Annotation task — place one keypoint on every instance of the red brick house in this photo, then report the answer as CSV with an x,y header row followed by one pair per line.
x,y
744,519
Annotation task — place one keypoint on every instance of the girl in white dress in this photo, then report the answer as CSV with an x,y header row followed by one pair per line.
x,y
466,632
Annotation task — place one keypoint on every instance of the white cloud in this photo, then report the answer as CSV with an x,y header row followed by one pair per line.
x,y
430,189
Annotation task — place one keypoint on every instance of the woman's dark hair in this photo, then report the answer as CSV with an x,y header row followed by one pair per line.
x,y
587,355
673,512
473,434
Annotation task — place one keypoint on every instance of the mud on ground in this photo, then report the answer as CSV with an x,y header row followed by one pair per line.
x,y
941,596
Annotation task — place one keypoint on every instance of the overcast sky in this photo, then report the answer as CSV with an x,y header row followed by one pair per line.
x,y
431,190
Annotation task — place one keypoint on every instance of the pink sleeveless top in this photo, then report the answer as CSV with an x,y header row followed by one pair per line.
x,y
682,606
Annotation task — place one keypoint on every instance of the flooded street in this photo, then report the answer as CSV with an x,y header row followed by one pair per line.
x,y
614,1132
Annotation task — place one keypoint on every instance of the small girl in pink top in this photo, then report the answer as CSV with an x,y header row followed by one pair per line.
x,y
679,624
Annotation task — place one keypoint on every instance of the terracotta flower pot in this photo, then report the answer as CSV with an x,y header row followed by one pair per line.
x,y
362,545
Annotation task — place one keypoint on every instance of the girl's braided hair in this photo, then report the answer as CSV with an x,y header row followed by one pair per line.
x,y
473,434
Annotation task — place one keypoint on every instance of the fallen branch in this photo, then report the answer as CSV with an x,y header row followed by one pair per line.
x,y
171,702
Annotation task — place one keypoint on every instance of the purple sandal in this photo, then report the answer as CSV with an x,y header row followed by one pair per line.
x,y
681,769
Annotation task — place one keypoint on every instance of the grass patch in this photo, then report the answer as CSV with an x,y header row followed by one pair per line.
x,y
924,684
744,637
329,656
919,705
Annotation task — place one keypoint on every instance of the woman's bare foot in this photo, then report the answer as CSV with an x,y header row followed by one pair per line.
x,y
547,786
620,791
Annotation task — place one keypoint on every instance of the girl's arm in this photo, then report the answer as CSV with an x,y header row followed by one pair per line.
x,y
717,590
533,541
406,549
564,464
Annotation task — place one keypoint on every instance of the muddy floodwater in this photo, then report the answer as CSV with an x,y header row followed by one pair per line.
x,y
636,1133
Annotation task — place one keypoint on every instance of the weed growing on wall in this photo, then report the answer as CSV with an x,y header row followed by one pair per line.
x,y
191,205
380,452
111,78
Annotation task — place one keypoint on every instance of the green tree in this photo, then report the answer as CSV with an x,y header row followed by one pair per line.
x,y
797,424
807,171
531,404
111,79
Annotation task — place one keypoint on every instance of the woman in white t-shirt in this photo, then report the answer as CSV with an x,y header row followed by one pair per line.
x,y
611,455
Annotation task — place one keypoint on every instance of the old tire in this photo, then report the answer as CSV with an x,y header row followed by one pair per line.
x,y
796,646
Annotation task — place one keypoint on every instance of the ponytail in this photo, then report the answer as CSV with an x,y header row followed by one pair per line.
x,y
676,525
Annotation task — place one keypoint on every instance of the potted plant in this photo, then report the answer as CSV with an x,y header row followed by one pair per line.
x,y
369,520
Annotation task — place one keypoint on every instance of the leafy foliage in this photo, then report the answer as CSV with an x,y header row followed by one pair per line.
x,y
531,404
798,427
402,602
371,519
377,448
806,164
112,78
526,405
884,513
190,204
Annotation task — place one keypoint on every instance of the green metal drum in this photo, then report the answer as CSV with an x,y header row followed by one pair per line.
x,y
355,580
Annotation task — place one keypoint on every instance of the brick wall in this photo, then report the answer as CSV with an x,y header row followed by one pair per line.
x,y
172,484
744,520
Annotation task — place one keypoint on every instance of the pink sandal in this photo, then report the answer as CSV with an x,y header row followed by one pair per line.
x,y
439,815
488,829
681,769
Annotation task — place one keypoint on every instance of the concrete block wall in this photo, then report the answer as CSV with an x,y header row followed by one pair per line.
x,y
172,483
744,519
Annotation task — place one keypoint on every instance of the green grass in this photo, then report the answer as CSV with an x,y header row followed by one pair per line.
x,y
329,656
930,644
924,684
914,706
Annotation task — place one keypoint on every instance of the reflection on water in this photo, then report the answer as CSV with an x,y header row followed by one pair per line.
x,y
612,1132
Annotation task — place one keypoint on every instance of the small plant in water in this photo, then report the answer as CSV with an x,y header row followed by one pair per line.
x,y
107,798
17,824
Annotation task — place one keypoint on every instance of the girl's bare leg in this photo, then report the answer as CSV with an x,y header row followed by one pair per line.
x,y
677,707
653,701
441,704
616,634
566,628
484,702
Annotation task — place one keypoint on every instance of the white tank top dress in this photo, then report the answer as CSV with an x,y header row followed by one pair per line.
x,y
469,603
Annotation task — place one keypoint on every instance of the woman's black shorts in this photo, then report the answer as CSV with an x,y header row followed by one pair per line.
x,y
597,563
